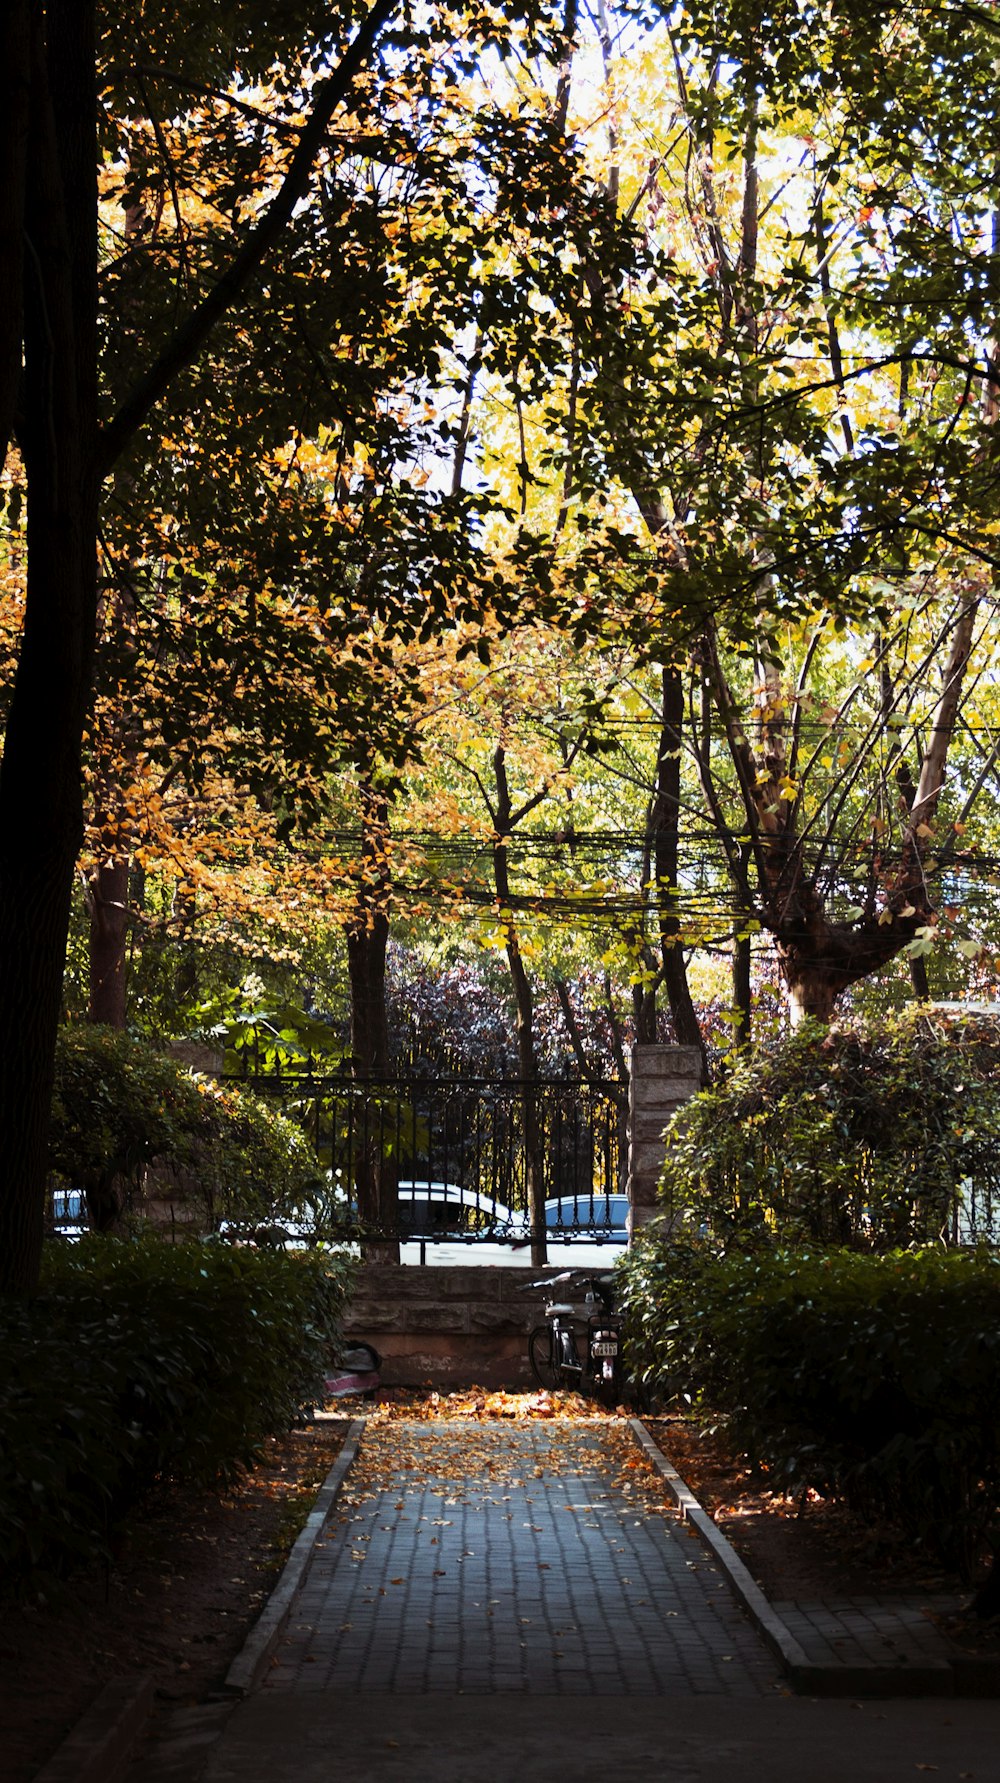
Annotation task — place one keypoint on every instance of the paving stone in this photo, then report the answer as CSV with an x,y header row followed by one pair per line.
x,y
510,1560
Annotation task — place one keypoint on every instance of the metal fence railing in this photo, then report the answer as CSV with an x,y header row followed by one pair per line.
x,y
470,1133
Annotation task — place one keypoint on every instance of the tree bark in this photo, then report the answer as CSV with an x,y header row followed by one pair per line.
x,y
665,822
524,1017
40,795
15,99
742,989
107,893
377,1176
48,202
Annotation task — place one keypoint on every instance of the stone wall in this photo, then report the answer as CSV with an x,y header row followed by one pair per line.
x,y
458,1327
662,1079
448,1327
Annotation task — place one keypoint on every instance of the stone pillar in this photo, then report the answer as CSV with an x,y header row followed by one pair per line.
x,y
662,1079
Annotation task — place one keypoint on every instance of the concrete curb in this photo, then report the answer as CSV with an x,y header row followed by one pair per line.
x,y
99,1747
781,1642
266,1631
809,1677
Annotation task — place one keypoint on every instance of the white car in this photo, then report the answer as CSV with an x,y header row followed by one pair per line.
x,y
443,1223
69,1214
446,1224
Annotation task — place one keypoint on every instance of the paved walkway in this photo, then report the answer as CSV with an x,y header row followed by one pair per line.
x,y
479,1602
465,1557
896,1633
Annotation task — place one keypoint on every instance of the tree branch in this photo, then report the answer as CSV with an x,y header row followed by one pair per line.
x,y
181,350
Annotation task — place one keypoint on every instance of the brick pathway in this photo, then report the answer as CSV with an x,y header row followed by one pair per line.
x,y
490,1558
870,1630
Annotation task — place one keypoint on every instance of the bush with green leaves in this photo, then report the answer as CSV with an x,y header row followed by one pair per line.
x,y
872,1136
871,1378
254,1164
136,1360
120,1107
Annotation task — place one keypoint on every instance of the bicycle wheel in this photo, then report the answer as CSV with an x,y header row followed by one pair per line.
x,y
545,1365
607,1386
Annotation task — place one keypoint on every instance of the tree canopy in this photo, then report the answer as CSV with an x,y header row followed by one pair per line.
x,y
518,479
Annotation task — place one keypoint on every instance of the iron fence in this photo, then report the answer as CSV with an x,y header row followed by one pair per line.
x,y
468,1134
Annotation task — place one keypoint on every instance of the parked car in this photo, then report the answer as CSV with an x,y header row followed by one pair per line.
x,y
447,1224
586,1231
69,1213
444,1223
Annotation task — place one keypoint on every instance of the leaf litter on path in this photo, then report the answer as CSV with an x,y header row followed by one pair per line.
x,y
416,1442
483,1404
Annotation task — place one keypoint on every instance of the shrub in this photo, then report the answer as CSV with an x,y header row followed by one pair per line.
x,y
120,1107
117,1106
873,1137
135,1360
254,1164
874,1378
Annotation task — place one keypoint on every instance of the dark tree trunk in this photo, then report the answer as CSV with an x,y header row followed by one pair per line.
x,y
524,1020
821,959
741,988
367,945
15,95
48,252
109,923
40,796
665,823
919,980
367,942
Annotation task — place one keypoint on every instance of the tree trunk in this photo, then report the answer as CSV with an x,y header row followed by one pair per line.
x,y
811,996
109,922
377,1175
665,821
367,945
741,989
15,100
534,1156
48,208
40,799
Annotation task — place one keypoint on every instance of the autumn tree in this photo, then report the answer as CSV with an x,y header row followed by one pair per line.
x,y
797,393
104,381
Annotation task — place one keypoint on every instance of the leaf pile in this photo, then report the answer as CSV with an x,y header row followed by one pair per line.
x,y
483,1404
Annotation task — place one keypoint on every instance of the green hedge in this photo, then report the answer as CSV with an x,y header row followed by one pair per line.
x,y
119,1106
869,1136
135,1360
874,1378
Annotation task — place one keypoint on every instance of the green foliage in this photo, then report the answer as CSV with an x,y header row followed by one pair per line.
x,y
253,1163
875,1378
119,1107
872,1137
135,1360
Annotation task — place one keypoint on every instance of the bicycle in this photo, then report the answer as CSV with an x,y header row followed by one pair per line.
x,y
579,1346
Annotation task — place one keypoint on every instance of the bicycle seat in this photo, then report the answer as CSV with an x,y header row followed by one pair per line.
x,y
563,1311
